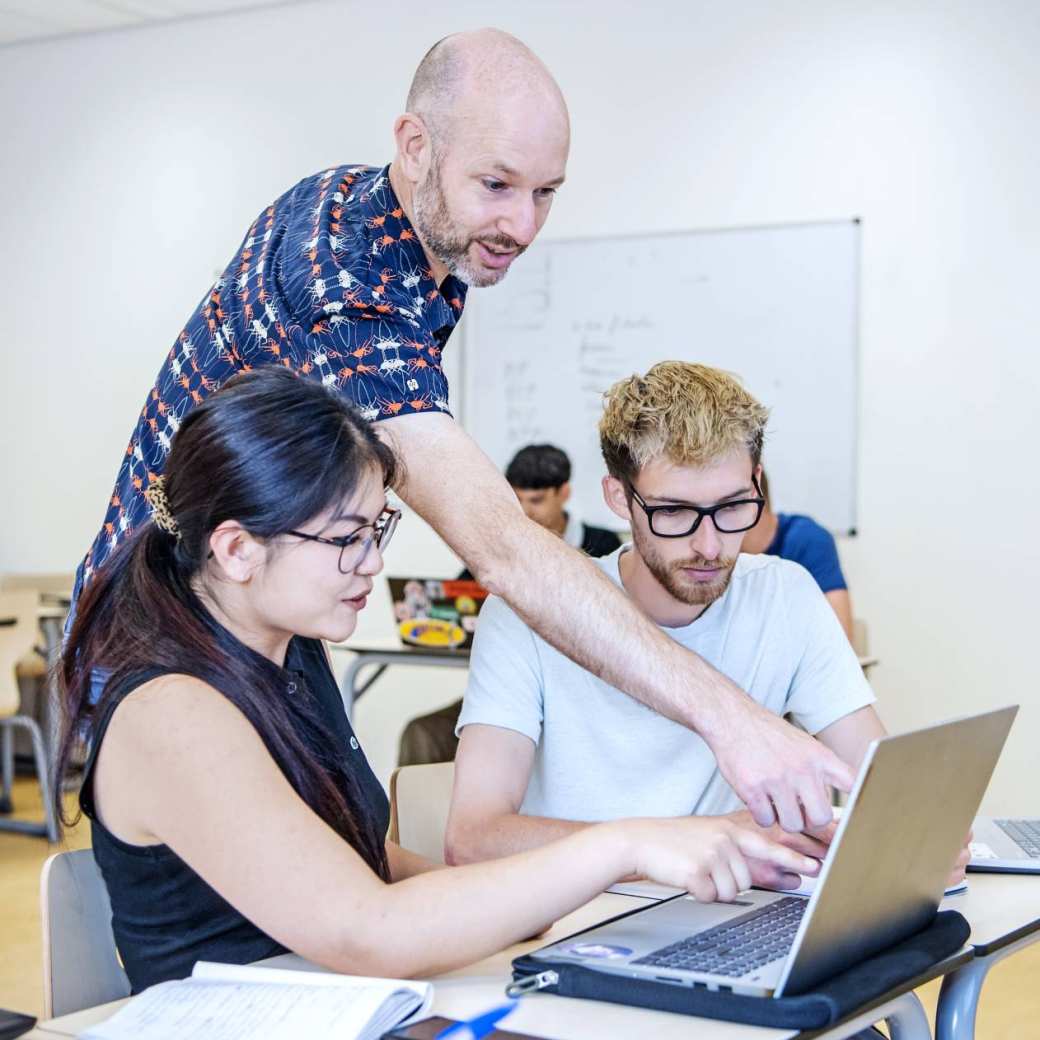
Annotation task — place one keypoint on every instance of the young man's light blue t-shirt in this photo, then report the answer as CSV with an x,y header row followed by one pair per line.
x,y
602,755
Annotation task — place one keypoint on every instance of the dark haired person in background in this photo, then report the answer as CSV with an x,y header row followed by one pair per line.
x,y
792,536
540,474
233,813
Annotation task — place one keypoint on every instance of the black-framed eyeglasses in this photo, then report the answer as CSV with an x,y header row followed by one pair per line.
x,y
354,547
680,521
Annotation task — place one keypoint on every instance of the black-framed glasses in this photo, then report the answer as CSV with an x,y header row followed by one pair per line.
x,y
680,521
354,547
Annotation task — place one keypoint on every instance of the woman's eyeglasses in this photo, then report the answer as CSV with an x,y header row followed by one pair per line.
x,y
354,547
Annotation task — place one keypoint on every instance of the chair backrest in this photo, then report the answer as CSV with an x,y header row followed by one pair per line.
x,y
420,797
17,639
80,964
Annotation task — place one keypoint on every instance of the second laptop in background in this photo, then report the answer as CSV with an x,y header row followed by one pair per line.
x,y
436,613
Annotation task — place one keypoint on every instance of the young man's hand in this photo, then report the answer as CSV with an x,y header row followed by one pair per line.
x,y
961,863
769,875
709,856
815,843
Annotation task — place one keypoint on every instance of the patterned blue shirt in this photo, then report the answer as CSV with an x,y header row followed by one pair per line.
x,y
331,282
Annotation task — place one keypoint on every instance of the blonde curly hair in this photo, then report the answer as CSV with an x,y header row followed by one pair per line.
x,y
692,414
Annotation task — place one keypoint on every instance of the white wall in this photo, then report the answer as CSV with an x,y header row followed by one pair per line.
x,y
132,163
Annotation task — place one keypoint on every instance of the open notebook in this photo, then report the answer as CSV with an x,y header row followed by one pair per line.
x,y
233,1002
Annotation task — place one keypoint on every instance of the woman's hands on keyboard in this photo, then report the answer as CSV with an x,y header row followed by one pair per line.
x,y
712,857
765,874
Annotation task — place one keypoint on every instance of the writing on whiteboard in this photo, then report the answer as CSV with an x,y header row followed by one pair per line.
x,y
778,306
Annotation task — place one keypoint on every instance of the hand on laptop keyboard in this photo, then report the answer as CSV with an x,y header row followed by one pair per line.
x,y
768,875
709,856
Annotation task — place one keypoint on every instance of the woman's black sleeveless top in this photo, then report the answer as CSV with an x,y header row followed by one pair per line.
x,y
164,916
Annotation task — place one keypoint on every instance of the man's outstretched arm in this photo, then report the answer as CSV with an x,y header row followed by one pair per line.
x,y
778,772
492,771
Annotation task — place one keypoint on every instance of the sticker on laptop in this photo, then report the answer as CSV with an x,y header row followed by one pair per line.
x,y
432,632
596,951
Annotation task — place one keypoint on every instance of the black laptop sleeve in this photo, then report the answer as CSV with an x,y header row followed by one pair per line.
x,y
837,998
13,1024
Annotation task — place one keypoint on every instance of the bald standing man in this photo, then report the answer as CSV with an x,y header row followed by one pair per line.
x,y
356,277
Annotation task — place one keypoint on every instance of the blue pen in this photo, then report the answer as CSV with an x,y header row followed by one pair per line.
x,y
479,1026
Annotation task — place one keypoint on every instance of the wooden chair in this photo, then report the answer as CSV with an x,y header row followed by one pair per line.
x,y
18,631
80,963
420,797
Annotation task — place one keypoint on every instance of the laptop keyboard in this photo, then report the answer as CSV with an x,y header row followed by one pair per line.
x,y
736,947
1024,833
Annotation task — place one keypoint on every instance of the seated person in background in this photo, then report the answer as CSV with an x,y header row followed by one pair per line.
x,y
546,747
800,538
233,813
540,475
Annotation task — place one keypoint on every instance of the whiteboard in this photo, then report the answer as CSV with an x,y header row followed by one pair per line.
x,y
776,305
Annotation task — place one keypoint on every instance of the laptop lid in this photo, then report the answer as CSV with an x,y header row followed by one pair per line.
x,y
883,878
436,613
910,811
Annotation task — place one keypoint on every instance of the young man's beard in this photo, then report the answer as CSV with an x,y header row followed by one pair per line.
x,y
442,237
669,574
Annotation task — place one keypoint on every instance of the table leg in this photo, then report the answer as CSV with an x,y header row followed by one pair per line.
x,y
959,1001
904,1014
349,688
6,768
365,686
907,1021
959,996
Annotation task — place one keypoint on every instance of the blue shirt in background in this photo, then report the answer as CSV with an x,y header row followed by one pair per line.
x,y
802,539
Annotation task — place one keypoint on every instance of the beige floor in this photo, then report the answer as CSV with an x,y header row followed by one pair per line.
x,y
1010,1008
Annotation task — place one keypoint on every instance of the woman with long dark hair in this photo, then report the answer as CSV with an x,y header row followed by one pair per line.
x,y
233,814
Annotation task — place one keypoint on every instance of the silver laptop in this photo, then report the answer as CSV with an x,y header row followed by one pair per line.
x,y
882,880
1005,846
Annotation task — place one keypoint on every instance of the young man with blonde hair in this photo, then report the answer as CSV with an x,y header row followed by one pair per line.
x,y
547,747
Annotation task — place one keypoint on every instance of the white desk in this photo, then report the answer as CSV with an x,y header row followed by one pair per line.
x,y
478,986
381,653
1004,913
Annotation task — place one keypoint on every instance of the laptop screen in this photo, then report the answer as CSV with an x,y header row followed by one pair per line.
x,y
435,613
